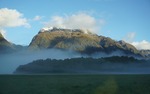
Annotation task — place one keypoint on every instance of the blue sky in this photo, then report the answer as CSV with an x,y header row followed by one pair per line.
x,y
127,20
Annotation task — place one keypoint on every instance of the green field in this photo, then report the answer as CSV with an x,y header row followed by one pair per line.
x,y
74,84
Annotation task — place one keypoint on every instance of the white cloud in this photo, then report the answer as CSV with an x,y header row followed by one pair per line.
x,y
37,18
12,18
130,37
139,45
77,21
142,44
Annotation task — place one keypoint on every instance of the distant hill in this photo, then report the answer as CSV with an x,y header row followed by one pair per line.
x,y
85,65
7,47
145,53
81,41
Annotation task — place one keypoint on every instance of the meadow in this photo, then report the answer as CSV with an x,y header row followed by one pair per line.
x,y
75,84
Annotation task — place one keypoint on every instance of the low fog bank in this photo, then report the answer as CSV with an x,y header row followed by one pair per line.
x,y
9,62
114,53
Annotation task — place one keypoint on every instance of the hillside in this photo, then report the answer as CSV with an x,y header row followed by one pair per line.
x,y
86,65
81,41
145,53
7,47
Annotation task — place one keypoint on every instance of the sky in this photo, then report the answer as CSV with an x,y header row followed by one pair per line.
x,y
128,20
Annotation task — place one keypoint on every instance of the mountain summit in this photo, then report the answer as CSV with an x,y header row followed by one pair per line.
x,y
81,41
54,29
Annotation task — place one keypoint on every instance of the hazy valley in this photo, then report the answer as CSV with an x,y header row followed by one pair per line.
x,y
62,44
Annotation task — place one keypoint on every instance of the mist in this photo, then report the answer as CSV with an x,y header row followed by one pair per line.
x,y
9,62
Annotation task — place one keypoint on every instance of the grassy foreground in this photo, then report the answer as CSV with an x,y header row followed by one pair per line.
x,y
74,84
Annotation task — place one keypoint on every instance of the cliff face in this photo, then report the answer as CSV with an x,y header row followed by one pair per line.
x,y
80,41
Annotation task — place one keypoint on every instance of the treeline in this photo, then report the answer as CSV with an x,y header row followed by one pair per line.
x,y
77,65
113,59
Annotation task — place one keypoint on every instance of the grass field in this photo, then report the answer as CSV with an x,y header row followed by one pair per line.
x,y
74,84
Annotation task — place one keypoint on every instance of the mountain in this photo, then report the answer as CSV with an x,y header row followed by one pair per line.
x,y
81,41
145,53
7,47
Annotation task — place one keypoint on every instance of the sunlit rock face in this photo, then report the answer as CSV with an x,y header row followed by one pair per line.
x,y
79,40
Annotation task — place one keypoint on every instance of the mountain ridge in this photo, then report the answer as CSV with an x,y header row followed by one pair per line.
x,y
80,41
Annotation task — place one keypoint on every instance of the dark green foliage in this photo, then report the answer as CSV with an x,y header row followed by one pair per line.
x,y
122,59
82,65
74,84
